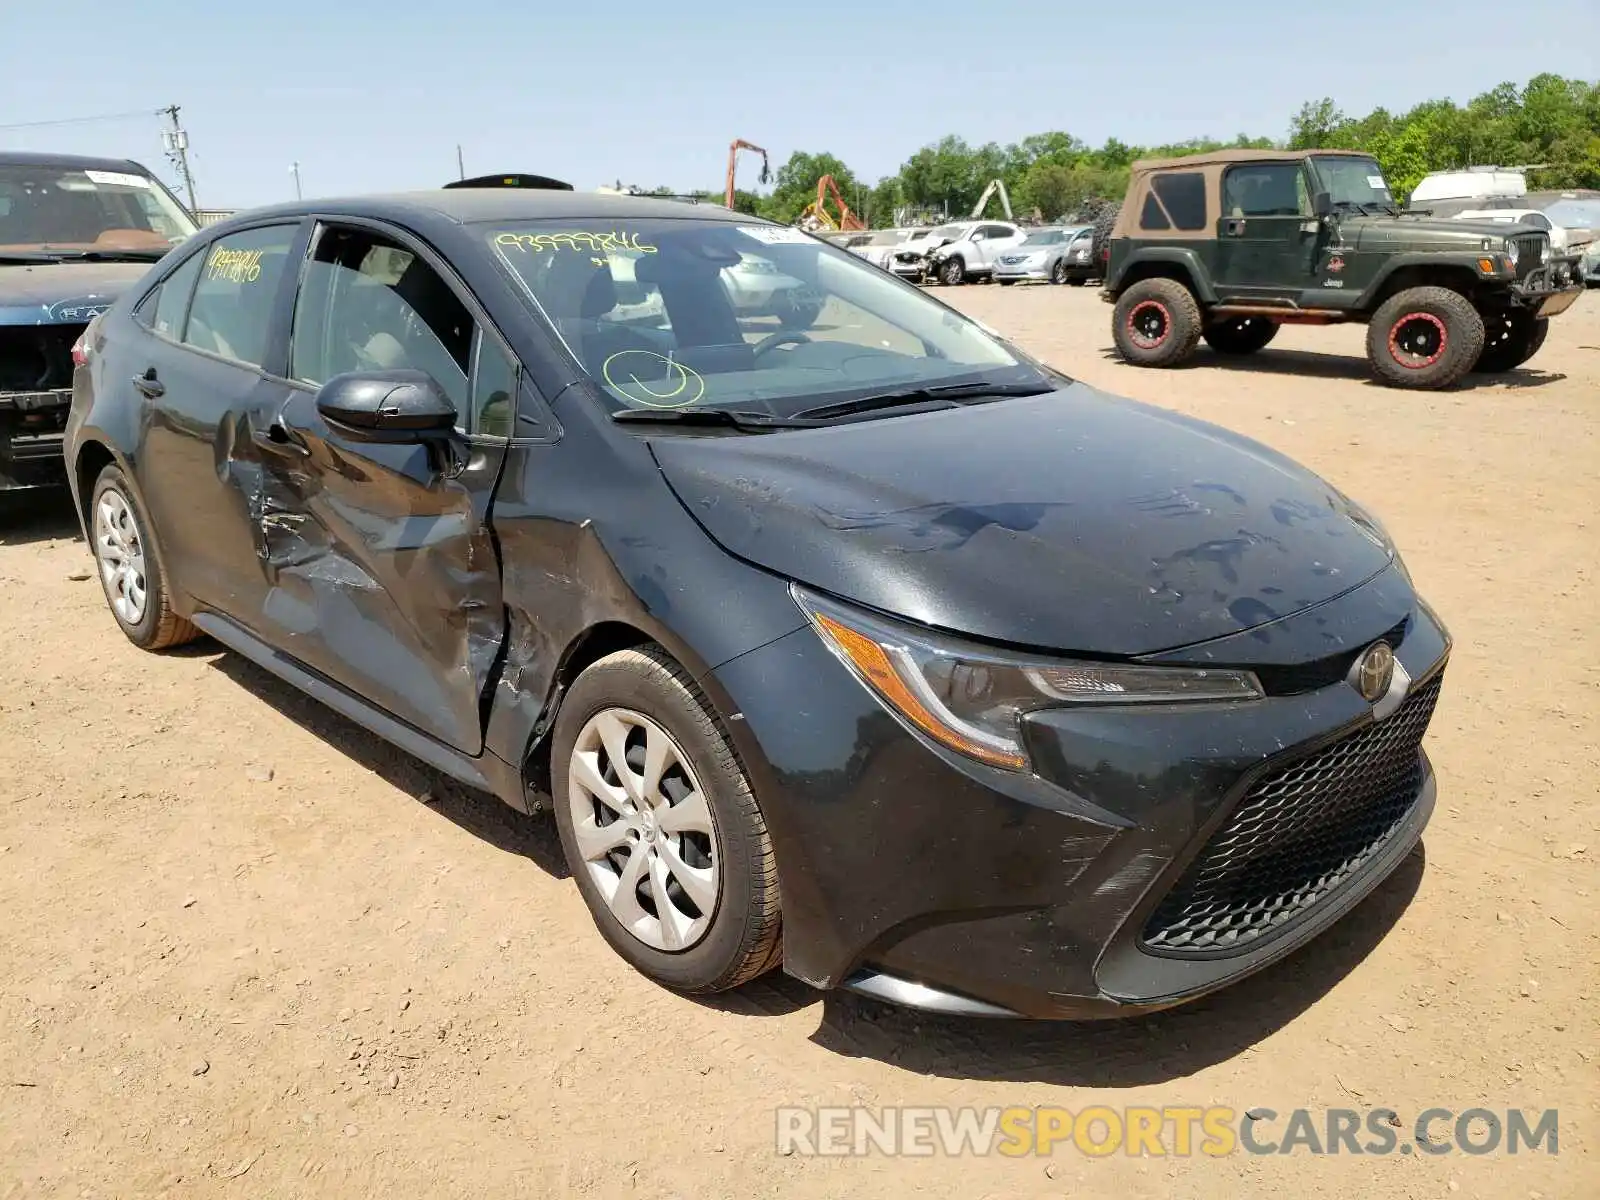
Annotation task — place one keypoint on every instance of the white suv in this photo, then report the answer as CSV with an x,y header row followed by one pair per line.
x,y
972,251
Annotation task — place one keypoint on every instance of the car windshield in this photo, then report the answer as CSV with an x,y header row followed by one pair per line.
x,y
1575,213
1357,181
949,231
47,209
1045,237
670,314
889,237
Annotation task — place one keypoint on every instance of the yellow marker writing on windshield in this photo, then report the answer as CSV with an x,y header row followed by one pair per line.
x,y
588,241
681,386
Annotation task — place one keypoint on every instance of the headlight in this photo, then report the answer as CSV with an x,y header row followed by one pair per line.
x,y
972,699
1511,252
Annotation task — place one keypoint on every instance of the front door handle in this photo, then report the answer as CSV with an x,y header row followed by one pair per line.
x,y
149,384
278,438
1233,227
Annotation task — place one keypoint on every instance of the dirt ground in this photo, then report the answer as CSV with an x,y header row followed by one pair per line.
x,y
247,950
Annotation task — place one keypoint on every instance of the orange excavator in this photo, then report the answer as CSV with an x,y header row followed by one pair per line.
x,y
816,216
733,163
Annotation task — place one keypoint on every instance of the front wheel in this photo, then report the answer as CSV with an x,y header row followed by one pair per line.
x,y
1058,273
952,271
1007,282
1425,337
1510,339
660,828
796,314
129,567
1156,323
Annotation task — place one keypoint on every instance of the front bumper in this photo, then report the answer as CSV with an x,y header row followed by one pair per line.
x,y
31,438
920,877
1021,271
1552,288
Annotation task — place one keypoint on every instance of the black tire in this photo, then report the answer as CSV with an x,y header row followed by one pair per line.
x,y
744,938
1058,272
1006,282
952,271
1240,335
159,626
1425,337
1100,246
1509,340
1077,281
1156,323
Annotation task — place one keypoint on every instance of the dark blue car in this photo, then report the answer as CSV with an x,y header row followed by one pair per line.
x,y
74,232
872,647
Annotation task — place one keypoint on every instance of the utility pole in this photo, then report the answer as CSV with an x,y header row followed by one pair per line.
x,y
294,169
176,140
461,166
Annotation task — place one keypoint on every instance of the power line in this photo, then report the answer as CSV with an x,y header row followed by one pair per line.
x,y
124,116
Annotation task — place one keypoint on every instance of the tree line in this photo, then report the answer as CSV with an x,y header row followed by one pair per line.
x,y
1551,125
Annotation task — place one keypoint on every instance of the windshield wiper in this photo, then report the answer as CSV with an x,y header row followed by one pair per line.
x,y
101,256
731,418
930,397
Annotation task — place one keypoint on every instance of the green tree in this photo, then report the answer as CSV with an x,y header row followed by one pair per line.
x,y
795,185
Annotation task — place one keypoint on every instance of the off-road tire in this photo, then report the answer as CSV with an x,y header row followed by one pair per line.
x,y
1156,323
1509,340
1240,335
1100,246
1425,337
160,627
1058,272
744,939
952,271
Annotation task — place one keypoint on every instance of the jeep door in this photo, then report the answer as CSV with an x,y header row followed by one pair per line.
x,y
380,569
209,351
1267,236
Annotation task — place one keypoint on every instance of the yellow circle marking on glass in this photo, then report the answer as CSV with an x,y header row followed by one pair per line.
x,y
685,385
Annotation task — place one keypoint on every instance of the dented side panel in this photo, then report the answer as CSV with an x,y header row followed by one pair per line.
x,y
379,567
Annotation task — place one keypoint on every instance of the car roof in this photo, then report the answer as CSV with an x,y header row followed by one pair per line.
x,y
469,206
1238,156
71,162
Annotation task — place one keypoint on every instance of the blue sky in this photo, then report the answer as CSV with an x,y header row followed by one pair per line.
x,y
652,93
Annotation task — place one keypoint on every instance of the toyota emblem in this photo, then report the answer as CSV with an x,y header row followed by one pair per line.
x,y
1374,671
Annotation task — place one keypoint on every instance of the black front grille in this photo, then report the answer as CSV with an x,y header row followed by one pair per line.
x,y
1530,255
1297,835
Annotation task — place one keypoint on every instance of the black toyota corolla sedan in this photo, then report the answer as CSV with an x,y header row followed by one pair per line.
x,y
838,632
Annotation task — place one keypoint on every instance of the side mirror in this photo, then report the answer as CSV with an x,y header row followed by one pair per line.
x,y
387,406
1322,204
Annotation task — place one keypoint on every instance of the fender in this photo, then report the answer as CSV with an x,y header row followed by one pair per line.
x,y
1181,256
1432,260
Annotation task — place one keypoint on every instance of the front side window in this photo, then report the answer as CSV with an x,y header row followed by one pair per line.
x,y
49,210
686,312
232,308
368,304
1265,190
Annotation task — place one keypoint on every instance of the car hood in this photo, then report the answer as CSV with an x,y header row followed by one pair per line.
x,y
1423,233
63,293
1074,521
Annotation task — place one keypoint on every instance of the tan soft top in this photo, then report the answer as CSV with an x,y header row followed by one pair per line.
x,y
1224,157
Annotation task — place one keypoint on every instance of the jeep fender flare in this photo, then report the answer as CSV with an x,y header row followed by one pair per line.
x,y
1461,264
1187,260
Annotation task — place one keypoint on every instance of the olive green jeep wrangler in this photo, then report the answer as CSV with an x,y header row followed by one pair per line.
x,y
1229,246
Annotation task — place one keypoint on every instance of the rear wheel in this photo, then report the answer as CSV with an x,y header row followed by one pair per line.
x,y
1240,335
129,567
1156,323
1426,337
1510,339
660,828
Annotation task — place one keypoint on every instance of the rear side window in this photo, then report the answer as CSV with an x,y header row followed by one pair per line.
x,y
172,299
1151,217
1183,195
232,307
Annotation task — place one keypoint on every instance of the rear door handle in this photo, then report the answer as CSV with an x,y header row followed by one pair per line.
x,y
149,384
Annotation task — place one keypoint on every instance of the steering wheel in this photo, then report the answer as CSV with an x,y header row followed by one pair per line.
x,y
782,338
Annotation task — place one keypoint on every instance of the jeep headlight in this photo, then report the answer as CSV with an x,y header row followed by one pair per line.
x,y
1512,250
972,699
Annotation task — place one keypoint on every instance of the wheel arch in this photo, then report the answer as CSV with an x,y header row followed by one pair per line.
x,y
1174,263
1403,275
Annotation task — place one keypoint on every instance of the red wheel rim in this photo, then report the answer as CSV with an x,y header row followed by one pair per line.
x,y
1149,322
1417,340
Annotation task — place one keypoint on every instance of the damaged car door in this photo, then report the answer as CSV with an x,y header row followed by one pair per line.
x,y
381,570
